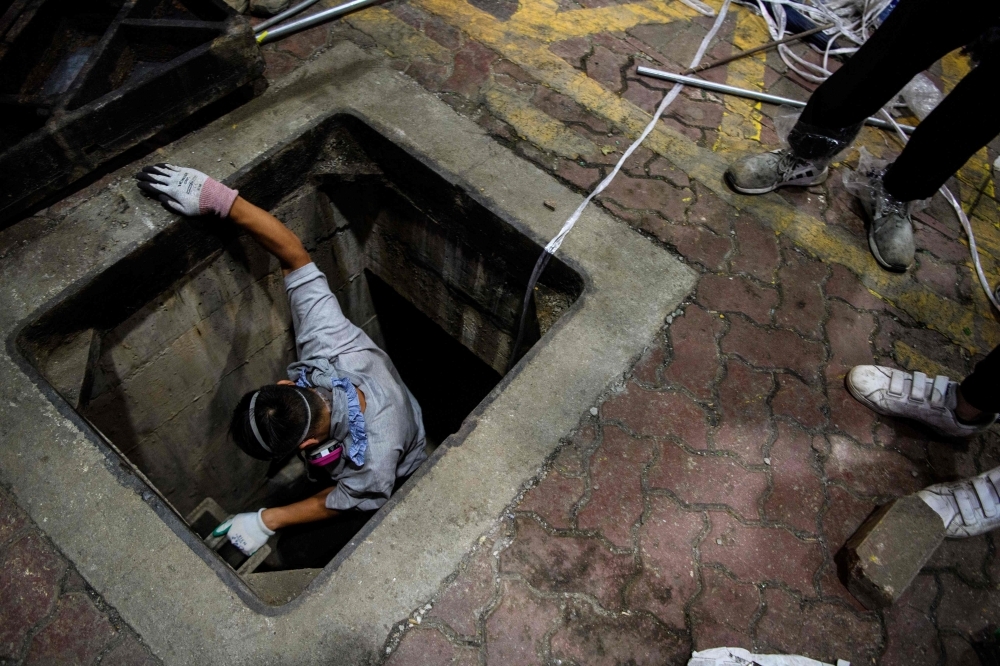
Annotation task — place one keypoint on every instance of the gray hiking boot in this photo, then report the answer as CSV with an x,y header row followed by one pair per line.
x,y
765,172
890,232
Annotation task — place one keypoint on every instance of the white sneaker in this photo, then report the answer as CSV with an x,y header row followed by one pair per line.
x,y
967,507
892,392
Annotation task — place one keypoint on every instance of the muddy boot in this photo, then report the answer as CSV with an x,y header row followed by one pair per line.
x,y
890,230
765,172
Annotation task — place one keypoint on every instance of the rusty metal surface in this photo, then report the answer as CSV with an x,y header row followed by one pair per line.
x,y
82,82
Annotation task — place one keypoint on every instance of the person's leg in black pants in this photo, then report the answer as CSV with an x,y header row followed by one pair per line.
x,y
965,121
981,389
917,34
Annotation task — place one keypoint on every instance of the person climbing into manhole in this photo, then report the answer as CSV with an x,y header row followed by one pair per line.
x,y
343,406
970,506
915,35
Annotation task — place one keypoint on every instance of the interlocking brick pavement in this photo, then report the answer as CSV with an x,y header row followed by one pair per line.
x,y
48,614
705,503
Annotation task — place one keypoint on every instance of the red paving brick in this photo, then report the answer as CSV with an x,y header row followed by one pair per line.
x,y
761,554
737,294
587,637
797,400
667,543
694,362
695,243
427,647
462,600
911,634
797,491
708,480
29,589
76,634
615,502
821,630
758,250
658,414
518,628
869,472
802,305
724,611
47,613
745,425
577,564
554,499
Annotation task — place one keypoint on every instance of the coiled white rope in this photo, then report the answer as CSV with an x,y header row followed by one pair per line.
x,y
553,245
854,20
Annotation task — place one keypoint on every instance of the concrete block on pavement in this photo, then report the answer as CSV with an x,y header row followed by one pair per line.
x,y
889,549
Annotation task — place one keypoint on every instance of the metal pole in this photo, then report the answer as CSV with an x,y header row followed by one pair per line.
x,y
310,21
750,94
758,49
288,13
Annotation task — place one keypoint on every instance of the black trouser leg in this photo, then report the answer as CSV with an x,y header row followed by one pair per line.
x,y
965,121
981,389
916,34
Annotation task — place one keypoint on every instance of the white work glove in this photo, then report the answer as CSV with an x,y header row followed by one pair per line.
x,y
247,531
186,191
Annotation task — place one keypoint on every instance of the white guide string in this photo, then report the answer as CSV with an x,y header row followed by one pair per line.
x,y
553,245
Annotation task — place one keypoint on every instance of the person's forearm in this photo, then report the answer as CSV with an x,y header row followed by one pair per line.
x,y
307,511
270,233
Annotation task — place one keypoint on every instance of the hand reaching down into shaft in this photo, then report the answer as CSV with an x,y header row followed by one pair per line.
x,y
246,531
186,191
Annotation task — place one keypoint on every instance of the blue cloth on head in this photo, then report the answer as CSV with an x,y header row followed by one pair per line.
x,y
355,418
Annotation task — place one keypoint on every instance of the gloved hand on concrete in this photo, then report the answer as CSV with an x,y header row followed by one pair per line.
x,y
186,191
246,531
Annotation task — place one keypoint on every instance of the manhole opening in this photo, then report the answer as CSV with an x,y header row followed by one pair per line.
x,y
156,351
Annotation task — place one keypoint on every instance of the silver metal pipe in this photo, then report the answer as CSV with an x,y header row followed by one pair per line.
x,y
288,13
750,94
310,21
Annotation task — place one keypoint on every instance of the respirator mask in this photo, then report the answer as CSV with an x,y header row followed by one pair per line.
x,y
328,452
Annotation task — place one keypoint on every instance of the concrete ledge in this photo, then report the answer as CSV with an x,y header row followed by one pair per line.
x,y
135,552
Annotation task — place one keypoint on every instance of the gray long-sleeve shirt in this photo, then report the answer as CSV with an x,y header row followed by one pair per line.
x,y
393,419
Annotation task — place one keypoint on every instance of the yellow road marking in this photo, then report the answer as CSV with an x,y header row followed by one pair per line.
x,y
396,37
542,21
740,128
972,328
536,126
910,359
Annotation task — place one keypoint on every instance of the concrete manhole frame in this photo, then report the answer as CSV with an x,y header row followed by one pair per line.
x,y
127,547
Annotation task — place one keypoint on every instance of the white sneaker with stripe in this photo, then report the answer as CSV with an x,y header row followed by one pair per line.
x,y
893,392
967,507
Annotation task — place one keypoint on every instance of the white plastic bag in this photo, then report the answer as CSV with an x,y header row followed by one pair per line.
x,y
921,96
726,656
